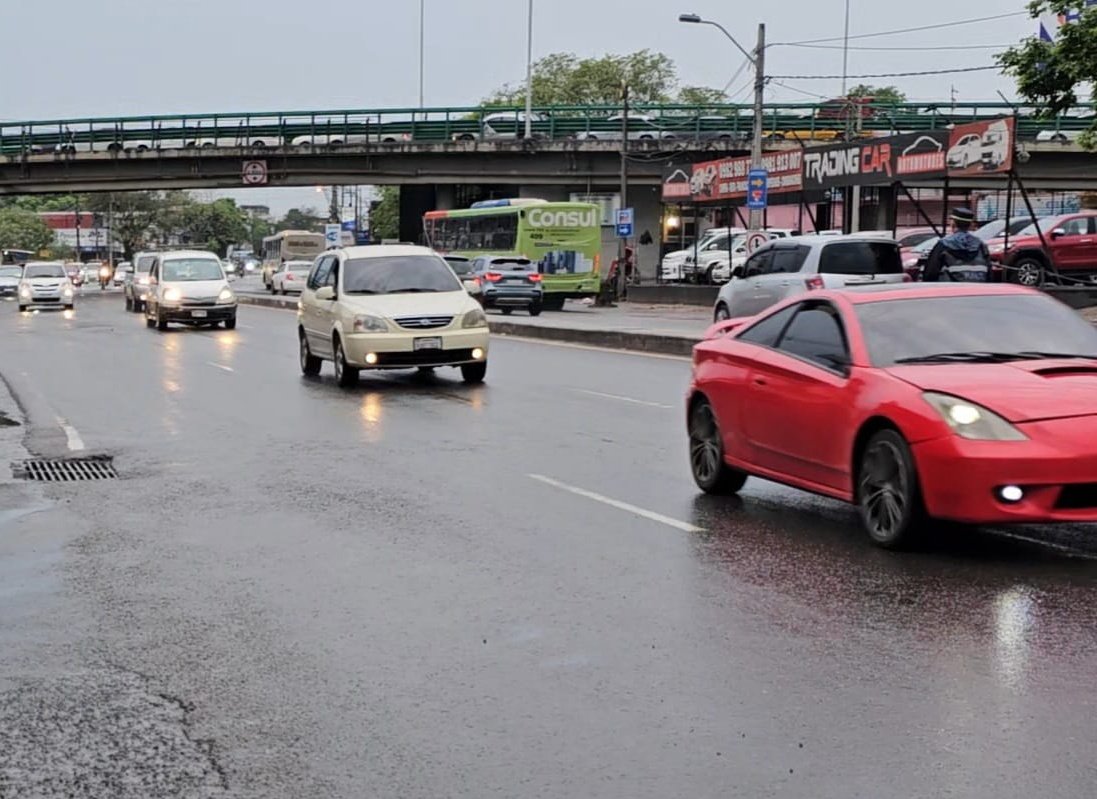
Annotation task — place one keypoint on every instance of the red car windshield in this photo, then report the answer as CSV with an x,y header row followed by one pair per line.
x,y
897,331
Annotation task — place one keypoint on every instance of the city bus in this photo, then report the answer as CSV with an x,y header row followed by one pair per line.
x,y
564,239
289,245
16,257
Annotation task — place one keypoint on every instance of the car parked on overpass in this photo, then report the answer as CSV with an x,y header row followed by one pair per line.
x,y
788,267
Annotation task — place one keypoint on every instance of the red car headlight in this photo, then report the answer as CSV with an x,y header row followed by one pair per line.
x,y
972,421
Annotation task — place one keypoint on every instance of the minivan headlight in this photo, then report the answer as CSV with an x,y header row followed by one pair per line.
x,y
972,421
226,295
474,318
370,324
172,295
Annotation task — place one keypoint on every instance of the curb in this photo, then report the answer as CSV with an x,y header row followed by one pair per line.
x,y
659,344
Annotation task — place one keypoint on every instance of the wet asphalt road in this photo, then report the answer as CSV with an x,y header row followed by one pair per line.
x,y
296,591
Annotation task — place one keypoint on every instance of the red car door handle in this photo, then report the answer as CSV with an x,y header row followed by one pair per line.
x,y
759,381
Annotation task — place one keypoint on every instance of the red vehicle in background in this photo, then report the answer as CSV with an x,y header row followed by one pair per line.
x,y
1068,247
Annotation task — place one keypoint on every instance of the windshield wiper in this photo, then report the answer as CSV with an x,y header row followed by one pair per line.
x,y
412,291
360,291
1035,354
972,357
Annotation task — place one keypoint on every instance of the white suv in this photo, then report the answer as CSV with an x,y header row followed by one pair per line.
x,y
389,307
189,287
787,267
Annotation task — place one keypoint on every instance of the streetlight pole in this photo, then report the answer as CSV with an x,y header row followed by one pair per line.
x,y
422,48
529,73
758,59
855,193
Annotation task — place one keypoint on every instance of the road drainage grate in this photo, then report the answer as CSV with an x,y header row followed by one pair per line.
x,y
66,470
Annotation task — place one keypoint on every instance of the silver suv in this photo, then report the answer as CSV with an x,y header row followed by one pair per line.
x,y
787,267
135,286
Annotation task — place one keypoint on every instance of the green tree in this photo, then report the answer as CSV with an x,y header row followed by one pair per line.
x,y
213,226
384,217
566,79
139,217
23,230
1053,74
302,219
701,96
888,95
46,202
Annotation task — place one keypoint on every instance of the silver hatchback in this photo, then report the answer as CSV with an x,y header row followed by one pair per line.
x,y
787,267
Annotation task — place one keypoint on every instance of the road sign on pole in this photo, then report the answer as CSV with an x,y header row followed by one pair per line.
x,y
625,220
757,189
756,239
333,235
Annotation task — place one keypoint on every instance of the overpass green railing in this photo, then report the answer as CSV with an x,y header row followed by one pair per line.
x,y
665,123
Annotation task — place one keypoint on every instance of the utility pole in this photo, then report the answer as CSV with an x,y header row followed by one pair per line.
x,y
622,243
529,74
756,218
110,229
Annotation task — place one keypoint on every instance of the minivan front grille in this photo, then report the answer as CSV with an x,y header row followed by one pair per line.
x,y
423,322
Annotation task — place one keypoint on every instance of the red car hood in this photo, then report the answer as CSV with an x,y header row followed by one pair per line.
x,y
1022,391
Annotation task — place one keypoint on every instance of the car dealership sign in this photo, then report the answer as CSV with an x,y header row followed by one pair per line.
x,y
978,148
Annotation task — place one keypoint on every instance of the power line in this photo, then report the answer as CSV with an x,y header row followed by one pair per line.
x,y
798,91
746,63
909,30
886,74
888,49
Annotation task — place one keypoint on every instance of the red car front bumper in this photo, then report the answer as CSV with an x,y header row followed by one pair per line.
x,y
1056,470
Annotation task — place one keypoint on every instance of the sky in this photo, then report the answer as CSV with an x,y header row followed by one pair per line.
x,y
205,56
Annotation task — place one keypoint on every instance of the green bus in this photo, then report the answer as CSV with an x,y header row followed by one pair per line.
x,y
563,239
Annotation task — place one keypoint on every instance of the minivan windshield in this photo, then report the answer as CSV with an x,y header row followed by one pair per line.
x,y
44,270
398,274
189,269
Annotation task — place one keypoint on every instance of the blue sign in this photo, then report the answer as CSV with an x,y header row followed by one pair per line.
x,y
757,189
361,238
350,225
625,219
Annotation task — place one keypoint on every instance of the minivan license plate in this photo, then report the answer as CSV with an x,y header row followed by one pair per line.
x,y
433,343
198,314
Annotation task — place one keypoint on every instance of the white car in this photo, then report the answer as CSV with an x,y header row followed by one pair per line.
x,y
9,280
502,125
136,287
290,277
45,283
671,266
189,287
968,151
787,267
119,278
389,307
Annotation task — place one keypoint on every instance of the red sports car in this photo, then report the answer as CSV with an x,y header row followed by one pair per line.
x,y
975,403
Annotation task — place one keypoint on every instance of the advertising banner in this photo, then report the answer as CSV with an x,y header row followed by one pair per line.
x,y
979,148
728,179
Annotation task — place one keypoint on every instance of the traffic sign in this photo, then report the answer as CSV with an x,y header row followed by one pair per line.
x,y
625,220
755,240
757,189
333,234
254,173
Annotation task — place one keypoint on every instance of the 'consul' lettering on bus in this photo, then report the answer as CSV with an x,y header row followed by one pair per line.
x,y
539,217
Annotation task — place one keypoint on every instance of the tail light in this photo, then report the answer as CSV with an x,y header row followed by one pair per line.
x,y
814,283
597,264
493,277
289,276
535,277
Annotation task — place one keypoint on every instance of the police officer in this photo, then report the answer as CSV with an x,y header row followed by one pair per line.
x,y
959,256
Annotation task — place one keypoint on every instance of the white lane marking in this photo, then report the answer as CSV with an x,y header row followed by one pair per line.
x,y
220,366
619,398
76,443
685,527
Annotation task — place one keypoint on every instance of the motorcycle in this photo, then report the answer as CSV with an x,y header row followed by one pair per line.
x,y
104,277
